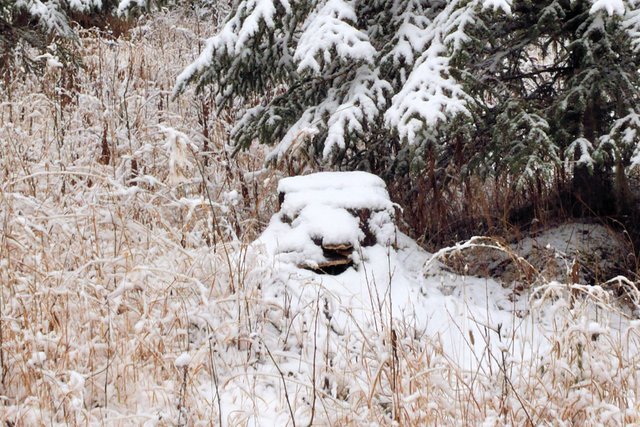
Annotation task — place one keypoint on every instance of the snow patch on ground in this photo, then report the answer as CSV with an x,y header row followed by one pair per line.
x,y
576,252
475,324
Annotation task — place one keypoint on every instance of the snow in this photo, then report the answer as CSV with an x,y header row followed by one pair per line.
x,y
321,207
631,22
125,5
51,14
624,133
503,5
245,326
239,31
76,381
479,325
571,239
52,61
363,102
302,130
427,98
386,279
430,95
330,30
340,43
612,7
111,287
344,190
333,180
333,225
37,358
348,113
445,306
182,361
177,148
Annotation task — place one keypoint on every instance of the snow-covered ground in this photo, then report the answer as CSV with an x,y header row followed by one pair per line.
x,y
398,337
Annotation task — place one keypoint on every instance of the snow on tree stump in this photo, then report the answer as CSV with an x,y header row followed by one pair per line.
x,y
326,217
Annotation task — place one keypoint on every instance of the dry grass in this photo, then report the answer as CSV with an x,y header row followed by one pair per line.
x,y
120,212
124,227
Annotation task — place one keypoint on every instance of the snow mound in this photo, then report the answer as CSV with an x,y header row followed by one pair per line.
x,y
326,218
384,281
345,334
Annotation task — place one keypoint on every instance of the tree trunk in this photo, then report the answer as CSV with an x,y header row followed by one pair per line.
x,y
592,189
593,192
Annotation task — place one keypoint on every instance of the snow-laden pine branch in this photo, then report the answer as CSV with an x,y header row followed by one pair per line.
x,y
342,69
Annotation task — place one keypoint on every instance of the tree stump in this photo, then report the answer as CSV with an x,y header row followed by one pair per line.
x,y
340,212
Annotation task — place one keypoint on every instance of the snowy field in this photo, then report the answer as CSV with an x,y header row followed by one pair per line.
x,y
148,280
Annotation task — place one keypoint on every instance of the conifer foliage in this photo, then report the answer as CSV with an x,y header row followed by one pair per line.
x,y
30,28
531,89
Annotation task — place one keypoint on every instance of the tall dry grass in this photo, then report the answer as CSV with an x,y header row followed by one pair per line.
x,y
122,214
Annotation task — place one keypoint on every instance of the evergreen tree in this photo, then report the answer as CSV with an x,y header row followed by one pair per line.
x,y
28,27
561,79
529,89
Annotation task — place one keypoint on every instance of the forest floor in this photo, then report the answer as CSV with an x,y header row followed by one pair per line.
x,y
140,285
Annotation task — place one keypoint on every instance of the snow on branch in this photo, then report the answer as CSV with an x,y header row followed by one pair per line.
x,y
345,112
362,104
304,128
412,36
52,14
428,97
233,39
85,5
624,136
629,11
495,5
584,147
260,12
612,7
330,29
367,64
430,94
631,23
126,5
49,14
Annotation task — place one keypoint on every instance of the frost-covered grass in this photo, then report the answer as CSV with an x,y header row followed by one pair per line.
x,y
132,294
